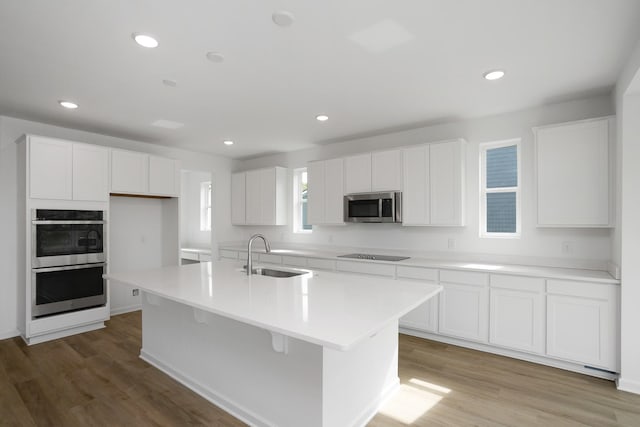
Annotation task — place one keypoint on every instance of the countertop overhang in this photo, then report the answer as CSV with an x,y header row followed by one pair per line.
x,y
334,310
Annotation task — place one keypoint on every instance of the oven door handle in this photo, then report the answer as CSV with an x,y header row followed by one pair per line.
x,y
52,222
68,267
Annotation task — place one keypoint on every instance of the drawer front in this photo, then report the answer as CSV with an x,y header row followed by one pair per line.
x,y
227,254
418,273
366,268
464,277
204,257
270,258
517,283
581,289
296,261
323,264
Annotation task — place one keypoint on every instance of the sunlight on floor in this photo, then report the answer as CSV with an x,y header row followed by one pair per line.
x,y
413,400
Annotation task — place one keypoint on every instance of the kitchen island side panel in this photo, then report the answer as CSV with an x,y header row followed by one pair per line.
x,y
233,364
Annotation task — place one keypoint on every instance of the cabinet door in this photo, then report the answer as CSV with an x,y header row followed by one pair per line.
x,y
268,197
315,192
333,192
253,197
129,172
90,173
446,183
238,181
415,197
163,176
573,174
464,311
424,317
357,174
386,171
517,320
50,169
584,329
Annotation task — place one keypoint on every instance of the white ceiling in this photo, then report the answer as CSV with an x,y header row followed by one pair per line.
x,y
371,65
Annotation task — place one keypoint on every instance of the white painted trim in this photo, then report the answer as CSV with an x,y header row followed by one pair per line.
x,y
630,386
492,348
375,406
212,396
127,309
63,333
9,334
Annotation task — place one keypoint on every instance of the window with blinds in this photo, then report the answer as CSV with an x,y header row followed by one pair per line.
x,y
500,189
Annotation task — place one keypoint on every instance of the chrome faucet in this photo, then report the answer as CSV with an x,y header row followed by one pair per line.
x,y
249,258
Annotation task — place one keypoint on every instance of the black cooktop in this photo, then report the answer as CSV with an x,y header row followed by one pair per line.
x,y
375,257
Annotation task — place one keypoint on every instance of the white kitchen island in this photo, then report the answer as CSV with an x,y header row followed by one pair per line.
x,y
319,349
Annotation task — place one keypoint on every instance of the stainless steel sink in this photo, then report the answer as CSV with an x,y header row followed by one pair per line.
x,y
276,272
272,272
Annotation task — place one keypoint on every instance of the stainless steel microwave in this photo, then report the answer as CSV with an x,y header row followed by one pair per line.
x,y
373,207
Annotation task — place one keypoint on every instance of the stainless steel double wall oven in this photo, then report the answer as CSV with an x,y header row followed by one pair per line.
x,y
67,260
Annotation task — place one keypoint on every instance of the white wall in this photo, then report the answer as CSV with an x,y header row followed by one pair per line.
x,y
626,242
11,129
589,248
191,235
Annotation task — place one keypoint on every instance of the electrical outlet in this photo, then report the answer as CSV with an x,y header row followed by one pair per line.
x,y
135,292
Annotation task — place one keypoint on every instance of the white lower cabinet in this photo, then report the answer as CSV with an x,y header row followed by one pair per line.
x,y
425,316
517,313
582,323
464,305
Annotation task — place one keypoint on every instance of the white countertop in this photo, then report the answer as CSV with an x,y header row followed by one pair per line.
x,y
335,310
599,276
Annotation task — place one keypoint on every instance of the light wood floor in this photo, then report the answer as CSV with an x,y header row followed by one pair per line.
x,y
97,379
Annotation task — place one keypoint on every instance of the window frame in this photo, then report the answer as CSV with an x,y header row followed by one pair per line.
x,y
297,202
206,190
483,148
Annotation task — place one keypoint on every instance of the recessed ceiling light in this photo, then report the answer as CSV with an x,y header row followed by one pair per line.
x,y
322,118
68,104
215,56
494,74
145,40
227,142
282,18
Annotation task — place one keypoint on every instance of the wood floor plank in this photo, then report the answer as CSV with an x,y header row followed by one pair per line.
x,y
98,379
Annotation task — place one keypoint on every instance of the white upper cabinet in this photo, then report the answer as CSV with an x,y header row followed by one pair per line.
x,y
446,181
357,175
573,174
377,171
433,176
90,173
386,170
416,194
164,176
238,198
129,172
141,174
64,170
325,192
50,168
265,196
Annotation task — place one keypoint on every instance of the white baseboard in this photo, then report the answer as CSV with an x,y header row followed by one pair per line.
x,y
128,309
631,386
9,334
540,359
212,396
